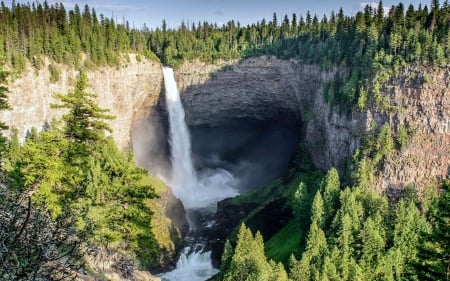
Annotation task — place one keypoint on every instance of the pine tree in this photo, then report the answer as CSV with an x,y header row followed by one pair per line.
x,y
309,266
3,106
85,121
317,210
330,188
300,204
248,262
434,251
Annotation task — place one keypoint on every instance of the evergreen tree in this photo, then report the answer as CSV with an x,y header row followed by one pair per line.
x,y
85,121
317,210
300,204
309,266
248,262
434,252
3,106
330,188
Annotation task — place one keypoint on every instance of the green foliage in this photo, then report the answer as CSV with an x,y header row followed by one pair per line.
x,y
248,261
54,73
361,243
3,106
317,210
366,238
374,149
34,245
85,120
33,30
308,267
402,137
18,61
433,261
330,188
72,168
301,203
286,241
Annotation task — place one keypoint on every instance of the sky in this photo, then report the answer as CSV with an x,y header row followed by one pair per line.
x,y
153,12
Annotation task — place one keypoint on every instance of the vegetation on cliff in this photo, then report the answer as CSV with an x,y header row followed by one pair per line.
x,y
354,234
67,186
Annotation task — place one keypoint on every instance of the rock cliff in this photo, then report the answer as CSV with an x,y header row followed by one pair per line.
x,y
272,89
424,106
262,88
128,91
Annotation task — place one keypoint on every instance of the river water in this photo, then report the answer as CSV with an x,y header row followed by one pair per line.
x,y
199,192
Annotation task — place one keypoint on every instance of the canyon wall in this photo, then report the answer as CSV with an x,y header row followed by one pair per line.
x,y
127,90
272,89
262,88
421,100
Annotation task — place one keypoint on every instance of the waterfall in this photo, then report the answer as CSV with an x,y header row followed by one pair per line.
x,y
184,179
197,191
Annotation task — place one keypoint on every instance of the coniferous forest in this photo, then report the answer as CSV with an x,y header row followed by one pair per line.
x,y
55,184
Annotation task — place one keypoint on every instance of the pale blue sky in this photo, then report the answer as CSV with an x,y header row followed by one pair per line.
x,y
152,12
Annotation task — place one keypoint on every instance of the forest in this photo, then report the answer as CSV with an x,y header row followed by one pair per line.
x,y
55,183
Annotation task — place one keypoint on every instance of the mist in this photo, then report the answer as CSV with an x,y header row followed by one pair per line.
x,y
253,151
151,147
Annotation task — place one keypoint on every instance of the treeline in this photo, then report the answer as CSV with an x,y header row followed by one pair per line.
x,y
354,234
68,191
35,30
372,45
403,34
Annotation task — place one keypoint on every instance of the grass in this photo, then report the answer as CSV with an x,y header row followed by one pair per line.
x,y
286,241
290,237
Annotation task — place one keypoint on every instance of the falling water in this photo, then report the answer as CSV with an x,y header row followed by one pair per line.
x,y
184,178
201,191
195,191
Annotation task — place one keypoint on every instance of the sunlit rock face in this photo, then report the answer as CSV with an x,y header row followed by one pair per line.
x,y
128,91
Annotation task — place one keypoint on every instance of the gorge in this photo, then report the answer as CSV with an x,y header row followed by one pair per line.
x,y
265,89
267,93
297,148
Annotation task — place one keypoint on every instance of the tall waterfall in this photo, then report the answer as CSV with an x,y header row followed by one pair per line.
x,y
184,179
197,191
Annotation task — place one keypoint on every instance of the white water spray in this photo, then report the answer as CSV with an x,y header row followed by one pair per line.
x,y
202,191
184,178
210,186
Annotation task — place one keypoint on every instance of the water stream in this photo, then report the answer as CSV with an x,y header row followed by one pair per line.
x,y
199,192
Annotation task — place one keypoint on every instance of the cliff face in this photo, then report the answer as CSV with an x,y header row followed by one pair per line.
x,y
271,89
425,108
264,89
128,91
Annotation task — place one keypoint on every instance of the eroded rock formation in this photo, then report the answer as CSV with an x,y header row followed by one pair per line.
x,y
128,91
272,89
263,89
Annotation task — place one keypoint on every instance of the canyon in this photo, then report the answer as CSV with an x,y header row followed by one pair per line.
x,y
264,89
